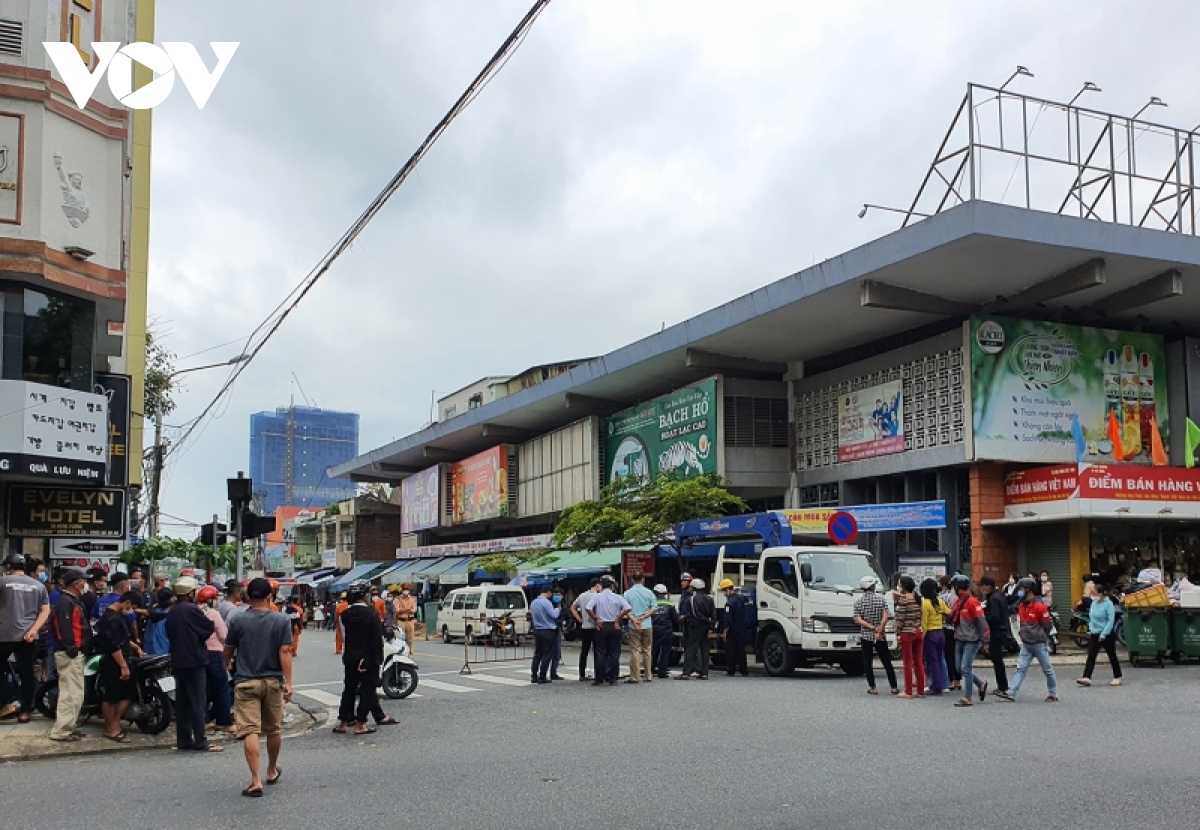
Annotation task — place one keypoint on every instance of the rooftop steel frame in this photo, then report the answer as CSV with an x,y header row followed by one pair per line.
x,y
1097,165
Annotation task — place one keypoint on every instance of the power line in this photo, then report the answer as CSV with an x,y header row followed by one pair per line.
x,y
281,312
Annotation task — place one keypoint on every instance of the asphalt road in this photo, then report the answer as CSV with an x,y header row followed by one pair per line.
x,y
810,751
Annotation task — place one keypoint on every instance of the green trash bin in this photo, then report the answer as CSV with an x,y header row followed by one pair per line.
x,y
1185,634
431,623
1146,634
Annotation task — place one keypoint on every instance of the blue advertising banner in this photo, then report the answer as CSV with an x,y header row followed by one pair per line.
x,y
918,515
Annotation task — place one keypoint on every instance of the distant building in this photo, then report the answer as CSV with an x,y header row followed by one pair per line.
x,y
291,448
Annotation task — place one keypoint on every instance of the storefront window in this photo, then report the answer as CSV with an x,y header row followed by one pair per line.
x,y
1119,551
46,338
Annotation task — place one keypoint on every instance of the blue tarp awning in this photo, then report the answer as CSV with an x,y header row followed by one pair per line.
x,y
357,572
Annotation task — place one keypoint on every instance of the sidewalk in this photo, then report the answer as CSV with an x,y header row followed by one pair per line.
x,y
31,741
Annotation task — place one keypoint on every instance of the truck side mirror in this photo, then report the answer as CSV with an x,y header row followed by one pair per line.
x,y
806,573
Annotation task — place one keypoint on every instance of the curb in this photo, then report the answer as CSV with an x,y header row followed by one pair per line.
x,y
39,747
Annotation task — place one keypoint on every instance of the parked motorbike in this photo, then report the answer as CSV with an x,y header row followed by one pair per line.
x,y
502,630
1080,627
154,686
398,678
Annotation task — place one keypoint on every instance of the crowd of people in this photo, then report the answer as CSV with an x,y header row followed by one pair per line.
x,y
230,653
942,625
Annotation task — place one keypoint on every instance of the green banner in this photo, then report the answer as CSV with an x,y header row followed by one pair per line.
x,y
1029,380
675,432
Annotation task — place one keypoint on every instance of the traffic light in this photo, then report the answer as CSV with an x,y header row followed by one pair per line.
x,y
254,525
222,534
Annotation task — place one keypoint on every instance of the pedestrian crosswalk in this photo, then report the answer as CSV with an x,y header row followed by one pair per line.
x,y
443,684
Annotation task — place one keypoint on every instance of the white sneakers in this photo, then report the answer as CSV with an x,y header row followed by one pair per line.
x,y
1083,681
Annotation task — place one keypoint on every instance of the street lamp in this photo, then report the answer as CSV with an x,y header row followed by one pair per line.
x,y
1088,86
160,450
867,207
1154,101
1019,71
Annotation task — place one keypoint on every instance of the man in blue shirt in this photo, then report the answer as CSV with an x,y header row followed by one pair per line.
x,y
642,603
545,635
608,610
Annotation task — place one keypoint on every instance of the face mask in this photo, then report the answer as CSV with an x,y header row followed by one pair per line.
x,y
557,597
405,593
1045,579
42,576
1021,593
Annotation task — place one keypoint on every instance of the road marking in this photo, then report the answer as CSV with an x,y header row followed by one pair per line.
x,y
503,681
447,687
328,698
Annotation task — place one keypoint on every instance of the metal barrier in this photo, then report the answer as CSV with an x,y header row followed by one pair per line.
x,y
480,649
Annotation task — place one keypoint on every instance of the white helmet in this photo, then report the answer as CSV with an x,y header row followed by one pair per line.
x,y
868,583
698,584
660,589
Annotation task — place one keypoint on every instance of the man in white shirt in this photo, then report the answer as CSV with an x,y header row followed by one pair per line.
x,y
607,610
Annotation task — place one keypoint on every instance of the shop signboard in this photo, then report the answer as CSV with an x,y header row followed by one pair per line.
x,y
636,563
53,433
871,422
329,558
1105,482
923,565
479,486
478,547
419,500
1029,379
677,432
117,389
66,512
871,518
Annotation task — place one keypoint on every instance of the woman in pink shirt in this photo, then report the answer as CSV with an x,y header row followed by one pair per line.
x,y
220,704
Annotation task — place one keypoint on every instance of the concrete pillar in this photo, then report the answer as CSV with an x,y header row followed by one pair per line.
x,y
993,550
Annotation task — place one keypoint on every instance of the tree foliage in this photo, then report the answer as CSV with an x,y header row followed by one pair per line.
x,y
165,547
640,512
160,364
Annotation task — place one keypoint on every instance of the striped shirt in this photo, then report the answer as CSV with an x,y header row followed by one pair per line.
x,y
908,614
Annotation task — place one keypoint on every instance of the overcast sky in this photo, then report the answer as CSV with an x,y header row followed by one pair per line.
x,y
633,165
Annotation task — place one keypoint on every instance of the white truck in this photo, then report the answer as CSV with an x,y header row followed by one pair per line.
x,y
802,595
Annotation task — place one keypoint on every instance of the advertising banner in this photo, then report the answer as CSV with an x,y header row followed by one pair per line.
x,y
1029,380
419,500
479,486
675,432
871,518
54,433
871,422
62,512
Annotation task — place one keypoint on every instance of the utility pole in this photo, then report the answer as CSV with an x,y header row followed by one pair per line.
x,y
216,547
157,464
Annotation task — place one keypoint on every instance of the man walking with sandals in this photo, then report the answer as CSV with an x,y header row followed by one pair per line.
x,y
261,640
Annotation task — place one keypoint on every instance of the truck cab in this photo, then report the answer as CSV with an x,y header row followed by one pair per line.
x,y
805,601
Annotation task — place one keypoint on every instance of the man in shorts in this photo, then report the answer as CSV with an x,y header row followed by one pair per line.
x,y
261,639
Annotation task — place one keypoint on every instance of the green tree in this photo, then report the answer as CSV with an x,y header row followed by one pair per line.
x,y
159,384
641,512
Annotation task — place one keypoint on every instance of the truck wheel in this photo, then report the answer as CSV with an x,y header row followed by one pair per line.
x,y
854,667
777,655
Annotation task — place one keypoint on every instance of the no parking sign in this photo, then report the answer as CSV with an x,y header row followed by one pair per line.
x,y
843,528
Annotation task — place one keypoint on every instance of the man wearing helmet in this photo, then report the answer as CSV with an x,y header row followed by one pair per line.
x,y
697,611
24,609
406,615
666,618
188,630
1036,625
871,614
733,629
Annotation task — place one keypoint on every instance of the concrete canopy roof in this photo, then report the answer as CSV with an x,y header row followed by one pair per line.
x,y
970,254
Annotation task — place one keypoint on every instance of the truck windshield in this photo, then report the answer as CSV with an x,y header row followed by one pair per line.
x,y
840,571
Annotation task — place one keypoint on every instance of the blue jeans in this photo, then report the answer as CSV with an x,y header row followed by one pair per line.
x,y
220,695
964,656
1029,651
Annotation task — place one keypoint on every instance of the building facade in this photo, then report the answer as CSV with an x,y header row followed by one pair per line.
x,y
74,223
290,450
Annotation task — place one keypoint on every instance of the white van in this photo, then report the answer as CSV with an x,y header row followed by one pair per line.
x,y
465,611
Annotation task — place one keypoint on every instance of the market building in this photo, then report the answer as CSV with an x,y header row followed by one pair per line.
x,y
74,226
940,367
